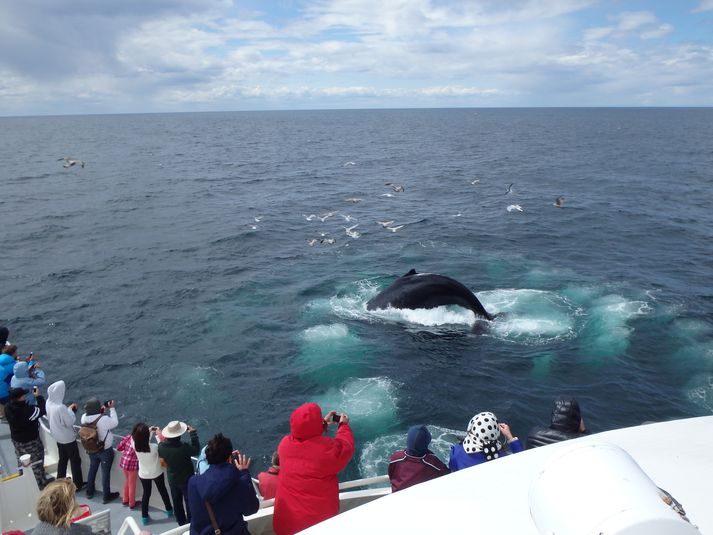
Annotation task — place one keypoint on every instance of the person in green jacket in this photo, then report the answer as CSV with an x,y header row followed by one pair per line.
x,y
176,457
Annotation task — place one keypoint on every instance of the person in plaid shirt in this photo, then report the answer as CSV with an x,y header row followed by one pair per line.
x,y
129,463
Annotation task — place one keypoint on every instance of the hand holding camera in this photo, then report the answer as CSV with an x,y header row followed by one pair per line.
x,y
73,407
240,461
153,429
110,403
335,418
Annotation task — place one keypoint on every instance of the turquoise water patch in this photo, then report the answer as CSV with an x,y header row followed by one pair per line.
x,y
374,458
606,329
370,403
531,316
542,364
330,353
700,391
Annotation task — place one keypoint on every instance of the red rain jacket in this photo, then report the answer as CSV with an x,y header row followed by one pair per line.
x,y
307,487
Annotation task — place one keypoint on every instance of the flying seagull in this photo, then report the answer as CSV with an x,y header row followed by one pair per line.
x,y
398,188
394,229
351,232
326,216
69,162
328,241
384,223
509,189
514,207
348,164
348,218
310,217
258,219
559,202
475,181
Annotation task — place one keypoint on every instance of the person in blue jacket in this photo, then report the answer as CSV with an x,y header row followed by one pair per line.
x,y
22,379
7,363
482,443
226,486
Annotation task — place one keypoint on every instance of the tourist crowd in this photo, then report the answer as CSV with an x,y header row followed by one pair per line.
x,y
215,495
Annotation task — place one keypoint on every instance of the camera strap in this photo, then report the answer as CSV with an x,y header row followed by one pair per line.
x,y
211,514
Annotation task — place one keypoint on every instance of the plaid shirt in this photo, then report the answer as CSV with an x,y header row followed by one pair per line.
x,y
129,461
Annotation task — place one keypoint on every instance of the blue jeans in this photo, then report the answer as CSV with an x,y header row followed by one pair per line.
x,y
105,458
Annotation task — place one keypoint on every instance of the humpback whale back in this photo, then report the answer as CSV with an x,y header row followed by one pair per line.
x,y
427,290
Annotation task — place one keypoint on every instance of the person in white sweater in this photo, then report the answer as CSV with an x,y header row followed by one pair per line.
x,y
95,412
150,469
62,418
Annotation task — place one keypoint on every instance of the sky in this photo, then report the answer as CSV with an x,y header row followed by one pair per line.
x,y
133,56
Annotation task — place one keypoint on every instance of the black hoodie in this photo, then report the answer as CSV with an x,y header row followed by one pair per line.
x,y
24,419
564,425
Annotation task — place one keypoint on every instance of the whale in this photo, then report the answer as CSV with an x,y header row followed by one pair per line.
x,y
427,290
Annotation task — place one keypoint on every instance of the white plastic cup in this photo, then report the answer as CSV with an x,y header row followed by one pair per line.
x,y
25,460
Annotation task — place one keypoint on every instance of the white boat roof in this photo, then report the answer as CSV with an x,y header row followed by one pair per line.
x,y
496,497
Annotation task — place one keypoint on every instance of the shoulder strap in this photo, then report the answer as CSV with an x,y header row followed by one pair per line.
x,y
95,422
211,514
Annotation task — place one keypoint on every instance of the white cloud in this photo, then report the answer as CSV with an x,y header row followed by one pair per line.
x,y
661,31
632,20
704,5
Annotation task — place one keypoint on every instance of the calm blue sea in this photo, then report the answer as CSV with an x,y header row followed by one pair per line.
x,y
173,273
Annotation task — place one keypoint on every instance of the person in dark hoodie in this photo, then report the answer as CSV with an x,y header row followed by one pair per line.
x,y
416,463
226,487
566,423
24,422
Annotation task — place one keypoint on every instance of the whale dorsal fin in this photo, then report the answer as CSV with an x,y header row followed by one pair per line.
x,y
412,272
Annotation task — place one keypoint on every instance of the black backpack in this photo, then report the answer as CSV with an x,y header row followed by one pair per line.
x,y
90,438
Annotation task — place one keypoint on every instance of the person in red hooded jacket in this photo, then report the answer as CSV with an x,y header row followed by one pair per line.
x,y
307,487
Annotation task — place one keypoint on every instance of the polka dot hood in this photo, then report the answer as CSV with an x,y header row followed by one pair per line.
x,y
483,434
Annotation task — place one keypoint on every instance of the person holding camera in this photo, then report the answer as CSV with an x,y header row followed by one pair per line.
x,y
104,419
176,456
62,418
150,469
224,494
307,487
28,376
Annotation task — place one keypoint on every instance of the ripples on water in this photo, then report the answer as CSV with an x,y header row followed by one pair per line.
x,y
141,277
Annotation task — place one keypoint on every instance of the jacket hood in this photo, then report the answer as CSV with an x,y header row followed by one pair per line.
x,y
306,421
55,392
418,440
566,415
21,369
215,483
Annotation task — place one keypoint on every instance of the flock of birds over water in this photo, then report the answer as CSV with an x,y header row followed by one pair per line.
x,y
324,238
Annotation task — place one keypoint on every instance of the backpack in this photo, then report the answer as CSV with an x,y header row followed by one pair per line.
x,y
90,438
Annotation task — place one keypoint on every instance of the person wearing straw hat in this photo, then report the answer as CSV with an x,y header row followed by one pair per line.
x,y
176,457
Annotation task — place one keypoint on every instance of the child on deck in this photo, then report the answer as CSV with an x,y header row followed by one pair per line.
x,y
129,464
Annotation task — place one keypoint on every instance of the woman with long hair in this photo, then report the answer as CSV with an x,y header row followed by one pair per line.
x,y
150,469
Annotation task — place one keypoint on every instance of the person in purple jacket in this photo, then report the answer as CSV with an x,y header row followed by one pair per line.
x,y
416,463
482,443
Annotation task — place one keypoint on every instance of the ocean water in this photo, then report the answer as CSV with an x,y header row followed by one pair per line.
x,y
145,276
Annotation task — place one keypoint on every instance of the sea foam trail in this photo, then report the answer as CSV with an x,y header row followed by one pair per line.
x,y
374,457
371,403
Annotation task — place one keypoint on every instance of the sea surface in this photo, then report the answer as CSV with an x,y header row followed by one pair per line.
x,y
174,273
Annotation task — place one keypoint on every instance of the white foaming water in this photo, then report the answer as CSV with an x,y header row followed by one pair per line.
x,y
533,314
606,331
374,457
369,402
321,333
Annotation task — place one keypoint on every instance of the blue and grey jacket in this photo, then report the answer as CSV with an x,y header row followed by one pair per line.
x,y
22,379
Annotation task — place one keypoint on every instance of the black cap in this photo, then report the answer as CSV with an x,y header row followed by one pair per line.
x,y
17,393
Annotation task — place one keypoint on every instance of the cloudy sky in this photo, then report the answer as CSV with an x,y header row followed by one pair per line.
x,y
113,56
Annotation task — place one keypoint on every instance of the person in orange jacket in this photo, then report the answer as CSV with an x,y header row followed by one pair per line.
x,y
307,487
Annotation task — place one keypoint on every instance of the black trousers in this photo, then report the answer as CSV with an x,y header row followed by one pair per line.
x,y
70,452
146,495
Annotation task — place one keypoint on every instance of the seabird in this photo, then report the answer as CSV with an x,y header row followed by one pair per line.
x,y
509,189
348,164
398,188
310,217
351,232
559,202
386,195
348,218
514,207
326,216
312,242
394,229
258,219
328,241
69,162
475,181
353,199
384,223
